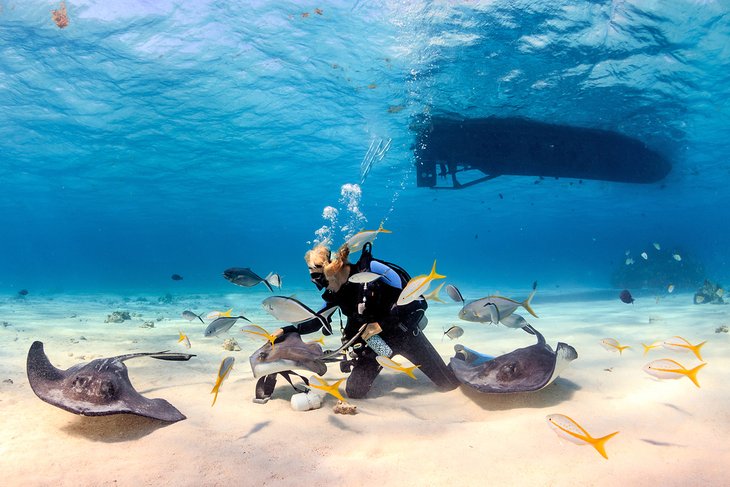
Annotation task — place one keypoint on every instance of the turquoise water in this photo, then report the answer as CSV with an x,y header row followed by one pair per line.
x,y
157,137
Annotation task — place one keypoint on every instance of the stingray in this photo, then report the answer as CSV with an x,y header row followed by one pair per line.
x,y
288,353
97,388
523,370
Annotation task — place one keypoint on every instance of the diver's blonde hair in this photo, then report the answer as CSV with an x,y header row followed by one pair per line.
x,y
320,256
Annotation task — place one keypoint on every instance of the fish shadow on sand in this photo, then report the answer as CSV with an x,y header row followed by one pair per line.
x,y
113,429
255,429
386,385
556,393
341,425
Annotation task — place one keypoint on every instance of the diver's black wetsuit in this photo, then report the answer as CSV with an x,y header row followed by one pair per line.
x,y
375,302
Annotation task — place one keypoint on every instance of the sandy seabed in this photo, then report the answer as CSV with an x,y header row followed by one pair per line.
x,y
406,433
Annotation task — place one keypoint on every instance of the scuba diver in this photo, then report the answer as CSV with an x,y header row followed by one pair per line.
x,y
375,324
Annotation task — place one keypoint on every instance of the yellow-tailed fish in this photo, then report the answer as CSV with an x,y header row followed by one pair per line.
x,y
650,347
679,344
321,384
219,314
613,345
392,364
258,331
434,295
417,286
223,371
184,339
667,368
568,429
357,241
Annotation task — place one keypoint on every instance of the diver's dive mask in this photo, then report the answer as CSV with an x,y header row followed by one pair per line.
x,y
319,280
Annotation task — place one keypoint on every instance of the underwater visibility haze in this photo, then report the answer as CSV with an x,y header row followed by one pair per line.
x,y
150,138
559,167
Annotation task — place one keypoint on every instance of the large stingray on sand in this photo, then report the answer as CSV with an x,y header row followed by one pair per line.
x,y
97,388
523,370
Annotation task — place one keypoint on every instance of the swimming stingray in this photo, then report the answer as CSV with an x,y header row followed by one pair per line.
x,y
97,388
289,353
523,370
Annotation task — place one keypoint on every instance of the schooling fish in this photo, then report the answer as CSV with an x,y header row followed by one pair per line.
x,y
184,339
670,288
514,321
613,345
176,277
647,348
417,286
454,293
321,384
365,277
190,316
259,331
644,255
669,369
222,325
493,309
568,429
244,276
23,292
392,364
223,371
657,246
625,296
219,314
454,332
356,242
434,295
677,257
679,344
288,309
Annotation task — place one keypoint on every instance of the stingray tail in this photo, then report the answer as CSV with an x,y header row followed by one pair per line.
x,y
600,444
526,303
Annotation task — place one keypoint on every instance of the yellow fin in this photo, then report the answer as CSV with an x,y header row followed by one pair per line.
x,y
526,303
692,374
600,443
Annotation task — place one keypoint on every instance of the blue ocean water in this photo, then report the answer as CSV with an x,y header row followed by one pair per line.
x,y
156,137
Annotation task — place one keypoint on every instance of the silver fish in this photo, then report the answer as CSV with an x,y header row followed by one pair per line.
x,y
244,276
454,332
493,309
514,321
222,325
364,277
190,316
454,293
293,311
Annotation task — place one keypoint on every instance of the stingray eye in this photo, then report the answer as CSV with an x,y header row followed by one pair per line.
x,y
106,389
